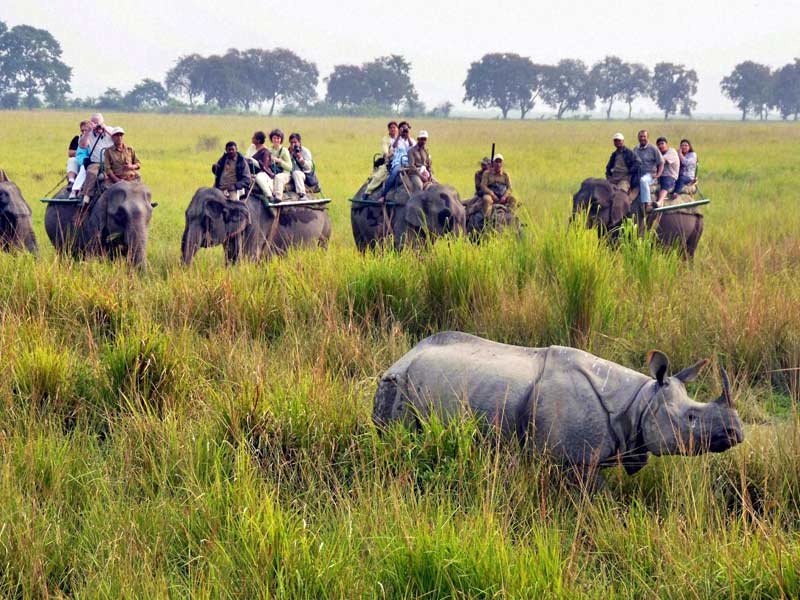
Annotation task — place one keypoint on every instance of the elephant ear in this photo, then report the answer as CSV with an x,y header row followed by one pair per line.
x,y
603,194
97,221
12,202
234,215
415,214
620,208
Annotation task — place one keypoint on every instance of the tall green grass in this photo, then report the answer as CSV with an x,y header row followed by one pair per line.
x,y
206,431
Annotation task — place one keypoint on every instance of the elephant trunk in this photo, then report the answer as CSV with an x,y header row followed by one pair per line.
x,y
136,240
30,244
189,245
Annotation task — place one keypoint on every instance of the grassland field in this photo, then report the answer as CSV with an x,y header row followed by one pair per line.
x,y
205,432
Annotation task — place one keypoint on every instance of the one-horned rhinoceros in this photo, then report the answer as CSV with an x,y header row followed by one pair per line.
x,y
584,411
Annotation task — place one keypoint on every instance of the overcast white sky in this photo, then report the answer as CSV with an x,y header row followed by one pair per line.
x,y
119,42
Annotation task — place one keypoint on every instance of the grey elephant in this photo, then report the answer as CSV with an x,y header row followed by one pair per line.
x,y
373,224
500,220
424,216
249,228
584,411
16,224
606,208
114,224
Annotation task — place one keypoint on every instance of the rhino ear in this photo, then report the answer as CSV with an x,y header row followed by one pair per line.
x,y
691,373
658,364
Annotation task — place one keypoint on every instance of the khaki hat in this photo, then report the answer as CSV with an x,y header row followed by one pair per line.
x,y
498,157
117,130
619,136
422,134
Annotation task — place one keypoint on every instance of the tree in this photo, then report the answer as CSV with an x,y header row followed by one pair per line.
x,y
442,110
504,80
226,80
384,82
184,78
609,78
281,75
786,89
748,86
567,86
346,86
30,64
146,95
112,99
636,84
673,89
389,82
9,101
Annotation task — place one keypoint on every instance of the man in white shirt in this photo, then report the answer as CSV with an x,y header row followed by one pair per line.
x,y
401,145
97,139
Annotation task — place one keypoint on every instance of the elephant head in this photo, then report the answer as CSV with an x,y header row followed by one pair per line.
x,y
119,222
432,213
211,220
606,206
16,224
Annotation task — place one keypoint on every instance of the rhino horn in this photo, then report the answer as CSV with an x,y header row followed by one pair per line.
x,y
691,373
725,398
658,364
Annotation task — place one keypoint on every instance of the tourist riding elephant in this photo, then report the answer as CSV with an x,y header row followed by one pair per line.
x,y
249,227
607,207
16,225
115,224
428,213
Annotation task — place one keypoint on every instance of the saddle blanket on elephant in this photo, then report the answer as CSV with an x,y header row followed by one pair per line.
x,y
683,199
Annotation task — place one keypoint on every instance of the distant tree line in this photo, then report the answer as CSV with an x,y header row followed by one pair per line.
x,y
33,75
513,82
756,89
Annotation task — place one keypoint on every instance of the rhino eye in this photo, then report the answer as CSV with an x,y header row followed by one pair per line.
x,y
692,418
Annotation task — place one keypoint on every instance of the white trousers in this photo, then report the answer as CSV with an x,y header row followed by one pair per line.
x,y
76,187
264,181
72,166
280,181
299,179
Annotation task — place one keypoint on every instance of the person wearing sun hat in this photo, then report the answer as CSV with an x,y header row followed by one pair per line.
x,y
623,167
420,159
496,188
121,162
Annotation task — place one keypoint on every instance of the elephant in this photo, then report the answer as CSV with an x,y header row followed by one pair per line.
x,y
16,224
501,219
608,206
369,228
114,224
249,227
426,215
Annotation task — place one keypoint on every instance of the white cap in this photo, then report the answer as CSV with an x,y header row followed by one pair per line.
x,y
422,134
498,157
619,136
117,130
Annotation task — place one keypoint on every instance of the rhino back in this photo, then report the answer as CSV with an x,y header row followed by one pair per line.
x,y
452,372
